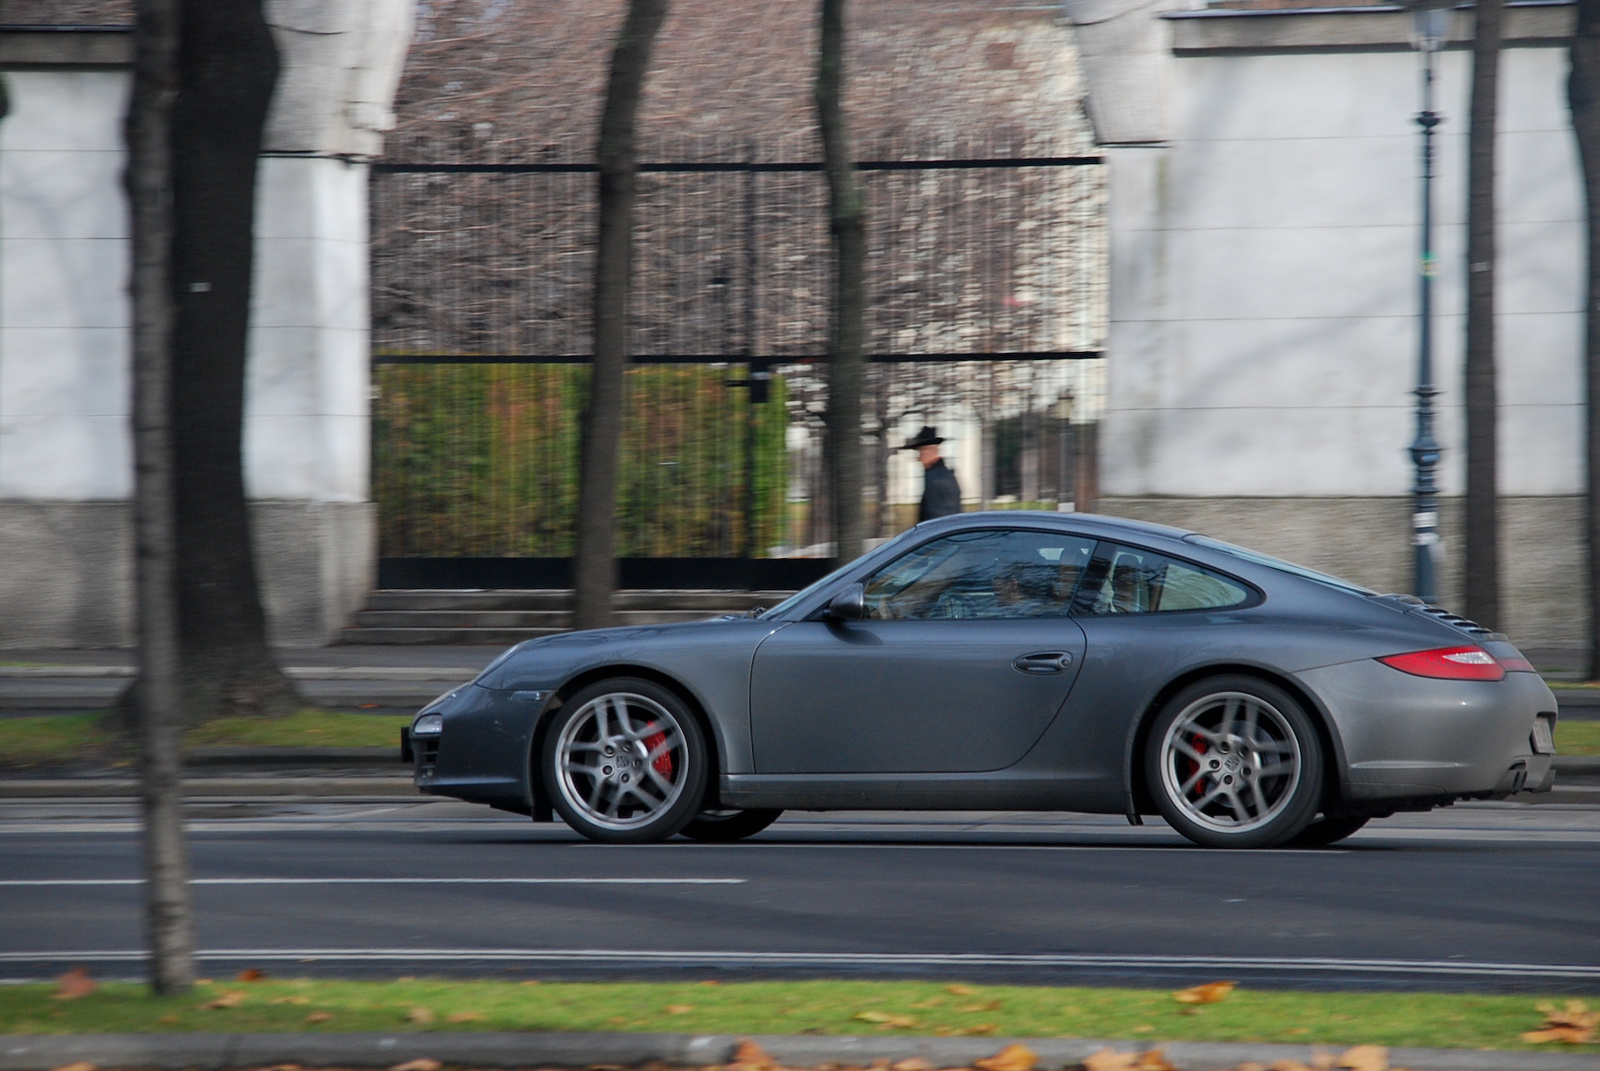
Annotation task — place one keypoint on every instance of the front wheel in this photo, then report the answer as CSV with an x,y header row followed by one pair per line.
x,y
624,762
1234,762
724,827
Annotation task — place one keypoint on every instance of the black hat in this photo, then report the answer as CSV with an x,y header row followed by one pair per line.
x,y
928,436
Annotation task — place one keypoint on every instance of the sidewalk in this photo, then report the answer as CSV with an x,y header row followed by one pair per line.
x,y
217,1051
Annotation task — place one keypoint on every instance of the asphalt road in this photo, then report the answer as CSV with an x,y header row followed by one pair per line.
x,y
1480,896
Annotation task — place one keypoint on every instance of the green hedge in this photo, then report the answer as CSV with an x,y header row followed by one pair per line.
x,y
482,461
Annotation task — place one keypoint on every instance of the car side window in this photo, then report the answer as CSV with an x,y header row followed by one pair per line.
x,y
1142,581
989,574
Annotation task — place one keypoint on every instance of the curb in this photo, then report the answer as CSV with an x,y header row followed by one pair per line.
x,y
94,788
217,1051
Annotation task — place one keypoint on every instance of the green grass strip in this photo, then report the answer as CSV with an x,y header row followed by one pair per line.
x,y
33,741
1578,737
819,1007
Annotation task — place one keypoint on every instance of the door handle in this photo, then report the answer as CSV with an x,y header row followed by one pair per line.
x,y
1043,662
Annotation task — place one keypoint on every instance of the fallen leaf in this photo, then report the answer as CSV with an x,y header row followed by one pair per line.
x,y
319,1017
1013,1057
1297,1030
1287,1065
1143,1028
915,1063
1210,993
466,1017
231,999
979,1030
74,984
711,981
406,978
1574,1024
1365,1058
81,1065
1109,1060
290,1000
419,1015
366,706
748,1056
881,1064
422,1064
886,1020
959,990
679,1009
250,974
1154,1060
167,1020
987,1005
931,1002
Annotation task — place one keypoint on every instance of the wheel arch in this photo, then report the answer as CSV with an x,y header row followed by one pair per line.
x,y
1333,765
579,681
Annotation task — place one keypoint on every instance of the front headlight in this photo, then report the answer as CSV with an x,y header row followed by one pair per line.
x,y
428,725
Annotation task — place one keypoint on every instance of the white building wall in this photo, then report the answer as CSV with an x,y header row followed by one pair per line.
x,y
1264,289
63,298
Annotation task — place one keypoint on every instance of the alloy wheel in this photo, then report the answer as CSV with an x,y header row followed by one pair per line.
x,y
622,761
1230,762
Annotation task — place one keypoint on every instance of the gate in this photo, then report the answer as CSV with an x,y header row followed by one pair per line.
x,y
986,311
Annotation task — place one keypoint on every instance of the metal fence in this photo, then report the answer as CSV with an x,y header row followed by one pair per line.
x,y
986,282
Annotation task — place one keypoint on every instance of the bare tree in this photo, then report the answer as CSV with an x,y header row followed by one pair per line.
x,y
847,224
227,66
148,181
594,565
1483,500
1583,96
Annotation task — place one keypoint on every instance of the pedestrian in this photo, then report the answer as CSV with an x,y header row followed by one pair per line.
x,y
941,495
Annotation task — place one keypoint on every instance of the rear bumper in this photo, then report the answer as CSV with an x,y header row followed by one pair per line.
x,y
1408,737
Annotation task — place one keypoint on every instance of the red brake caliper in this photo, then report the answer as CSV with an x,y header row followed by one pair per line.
x,y
663,761
1199,743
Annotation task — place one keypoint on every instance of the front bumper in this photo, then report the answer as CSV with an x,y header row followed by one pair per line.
x,y
1408,737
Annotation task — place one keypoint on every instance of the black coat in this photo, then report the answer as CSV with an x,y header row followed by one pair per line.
x,y
941,495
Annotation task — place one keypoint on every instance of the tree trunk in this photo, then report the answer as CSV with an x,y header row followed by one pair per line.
x,y
1483,499
1583,95
227,66
148,182
847,223
594,566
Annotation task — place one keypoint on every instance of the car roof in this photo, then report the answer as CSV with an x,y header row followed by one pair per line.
x,y
1088,523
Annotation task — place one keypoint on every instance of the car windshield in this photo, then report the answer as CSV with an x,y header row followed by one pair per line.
x,y
804,593
1278,564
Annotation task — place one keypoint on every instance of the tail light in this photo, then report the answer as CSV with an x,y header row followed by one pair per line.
x,y
1449,663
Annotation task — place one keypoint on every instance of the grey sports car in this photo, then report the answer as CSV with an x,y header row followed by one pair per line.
x,y
1010,661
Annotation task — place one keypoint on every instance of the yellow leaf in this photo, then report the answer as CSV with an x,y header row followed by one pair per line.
x,y
679,1009
1574,1024
167,1020
1210,993
1109,1060
931,1002
1365,1058
872,1016
1154,1060
1287,1065
81,1065
1567,1034
1013,1057
1143,1028
74,984
422,1064
987,1005
231,999
419,1015
959,990
915,1063
980,1030
466,1017
319,1017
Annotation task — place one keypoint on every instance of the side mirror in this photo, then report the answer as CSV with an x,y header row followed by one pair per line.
x,y
849,605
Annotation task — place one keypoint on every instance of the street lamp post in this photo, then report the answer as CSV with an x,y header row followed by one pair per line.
x,y
1425,449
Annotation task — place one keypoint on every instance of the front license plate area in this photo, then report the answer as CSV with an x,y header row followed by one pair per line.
x,y
1542,739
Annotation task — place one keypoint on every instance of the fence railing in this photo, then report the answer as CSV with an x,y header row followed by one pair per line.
x,y
986,282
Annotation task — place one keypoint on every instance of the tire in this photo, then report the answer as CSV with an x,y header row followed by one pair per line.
x,y
624,762
1326,831
724,827
1234,762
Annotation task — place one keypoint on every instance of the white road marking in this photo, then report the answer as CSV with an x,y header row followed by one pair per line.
x,y
859,960
62,882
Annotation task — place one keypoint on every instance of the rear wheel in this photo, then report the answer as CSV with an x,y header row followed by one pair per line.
x,y
624,762
1326,831
1234,762
722,827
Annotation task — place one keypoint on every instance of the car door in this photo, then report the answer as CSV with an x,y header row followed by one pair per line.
x,y
966,654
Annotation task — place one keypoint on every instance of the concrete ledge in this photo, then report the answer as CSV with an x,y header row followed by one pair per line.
x,y
1386,28
36,47
216,1051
